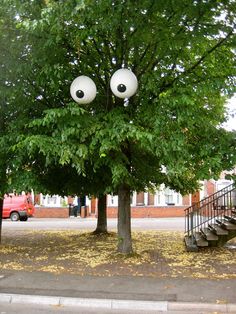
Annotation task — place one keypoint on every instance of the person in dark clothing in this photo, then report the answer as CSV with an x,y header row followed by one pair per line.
x,y
83,200
77,208
83,212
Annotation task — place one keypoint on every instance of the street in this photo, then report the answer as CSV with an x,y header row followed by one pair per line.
x,y
73,223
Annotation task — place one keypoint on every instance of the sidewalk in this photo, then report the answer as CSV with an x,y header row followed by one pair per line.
x,y
133,293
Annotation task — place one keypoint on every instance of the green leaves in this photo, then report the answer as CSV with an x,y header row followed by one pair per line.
x,y
185,65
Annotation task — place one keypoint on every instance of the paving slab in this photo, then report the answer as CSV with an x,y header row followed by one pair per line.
x,y
119,287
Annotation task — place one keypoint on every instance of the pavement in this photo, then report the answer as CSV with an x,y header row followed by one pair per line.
x,y
117,292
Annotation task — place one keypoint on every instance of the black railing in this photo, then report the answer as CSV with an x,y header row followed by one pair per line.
x,y
209,210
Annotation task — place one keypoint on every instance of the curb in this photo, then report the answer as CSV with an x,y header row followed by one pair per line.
x,y
114,304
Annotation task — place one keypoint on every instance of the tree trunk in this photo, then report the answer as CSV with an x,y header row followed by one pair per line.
x,y
124,220
1,211
102,215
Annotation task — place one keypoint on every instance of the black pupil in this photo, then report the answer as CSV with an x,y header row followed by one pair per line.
x,y
80,94
121,88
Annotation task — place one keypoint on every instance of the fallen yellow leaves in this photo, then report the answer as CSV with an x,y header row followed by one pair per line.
x,y
221,301
52,269
157,254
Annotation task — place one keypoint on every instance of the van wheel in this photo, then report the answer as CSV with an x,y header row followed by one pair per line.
x,y
14,216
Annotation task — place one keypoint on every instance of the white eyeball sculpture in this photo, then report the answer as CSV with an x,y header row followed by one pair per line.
x,y
124,83
83,90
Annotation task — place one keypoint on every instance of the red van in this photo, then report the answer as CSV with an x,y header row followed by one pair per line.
x,y
18,207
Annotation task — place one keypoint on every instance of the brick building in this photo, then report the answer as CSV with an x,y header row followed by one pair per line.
x,y
163,203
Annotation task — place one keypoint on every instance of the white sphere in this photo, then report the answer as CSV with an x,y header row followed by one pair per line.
x,y
83,89
124,83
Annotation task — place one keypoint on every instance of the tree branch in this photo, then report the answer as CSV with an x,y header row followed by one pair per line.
x,y
208,52
203,57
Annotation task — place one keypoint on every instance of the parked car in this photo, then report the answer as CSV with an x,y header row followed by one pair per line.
x,y
18,207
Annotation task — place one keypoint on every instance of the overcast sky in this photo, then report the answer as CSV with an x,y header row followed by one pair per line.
x,y
231,123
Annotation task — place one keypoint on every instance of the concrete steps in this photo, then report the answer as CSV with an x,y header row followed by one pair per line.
x,y
211,222
217,233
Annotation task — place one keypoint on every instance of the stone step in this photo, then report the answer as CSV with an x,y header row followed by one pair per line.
x,y
201,242
230,219
190,244
218,230
226,224
209,235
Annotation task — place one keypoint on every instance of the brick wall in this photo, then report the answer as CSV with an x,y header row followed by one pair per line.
x,y
186,201
136,212
211,188
49,212
150,212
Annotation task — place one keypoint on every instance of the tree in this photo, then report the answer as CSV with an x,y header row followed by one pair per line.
x,y
24,97
182,54
18,97
10,57
65,180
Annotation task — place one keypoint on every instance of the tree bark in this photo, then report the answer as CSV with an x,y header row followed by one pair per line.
x,y
1,211
124,220
102,215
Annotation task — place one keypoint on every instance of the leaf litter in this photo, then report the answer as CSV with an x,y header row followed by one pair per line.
x,y
157,254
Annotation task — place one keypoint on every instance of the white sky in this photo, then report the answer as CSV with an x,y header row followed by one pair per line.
x,y
231,123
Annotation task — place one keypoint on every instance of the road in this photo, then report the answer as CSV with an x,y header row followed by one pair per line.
x,y
90,224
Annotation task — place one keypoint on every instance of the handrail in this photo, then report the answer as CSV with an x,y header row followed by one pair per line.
x,y
210,197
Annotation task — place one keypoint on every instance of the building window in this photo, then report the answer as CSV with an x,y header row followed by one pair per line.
x,y
169,196
52,200
140,199
150,198
158,197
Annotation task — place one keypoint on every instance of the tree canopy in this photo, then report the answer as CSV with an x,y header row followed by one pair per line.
x,y
183,55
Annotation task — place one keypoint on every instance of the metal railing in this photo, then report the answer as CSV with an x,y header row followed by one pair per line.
x,y
209,210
